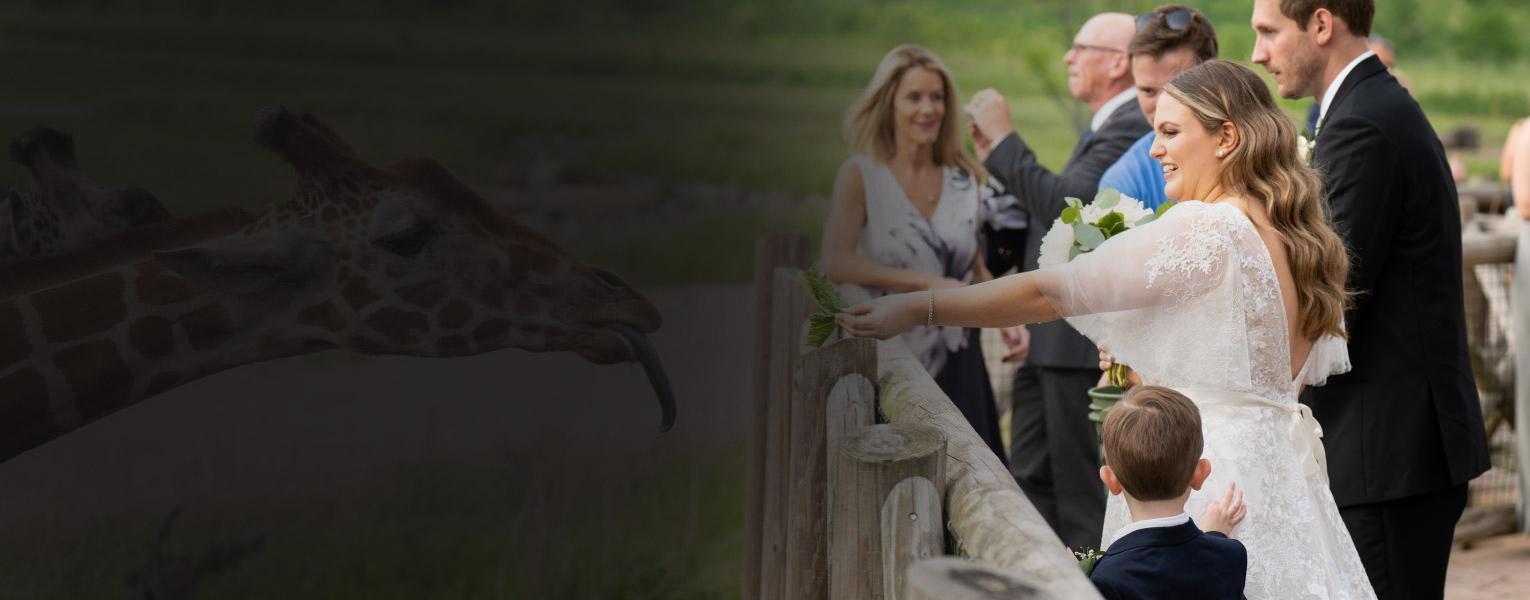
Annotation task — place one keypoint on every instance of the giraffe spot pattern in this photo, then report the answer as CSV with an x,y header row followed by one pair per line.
x,y
164,381
454,315
156,287
423,295
26,421
152,337
208,327
491,330
453,345
81,309
358,293
398,325
323,315
98,377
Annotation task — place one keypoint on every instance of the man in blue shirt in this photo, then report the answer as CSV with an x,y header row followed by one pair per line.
x,y
1169,40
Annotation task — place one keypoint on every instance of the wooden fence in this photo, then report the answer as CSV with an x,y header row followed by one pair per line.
x,y
860,465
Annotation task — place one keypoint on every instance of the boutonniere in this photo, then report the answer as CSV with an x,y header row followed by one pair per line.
x,y
1304,148
1088,559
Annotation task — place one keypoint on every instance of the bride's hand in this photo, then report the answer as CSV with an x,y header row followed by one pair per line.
x,y
884,317
1225,513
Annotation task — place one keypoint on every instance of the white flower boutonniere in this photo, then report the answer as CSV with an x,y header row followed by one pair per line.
x,y
1304,148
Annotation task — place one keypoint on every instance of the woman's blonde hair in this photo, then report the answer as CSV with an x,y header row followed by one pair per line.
x,y
1264,166
869,124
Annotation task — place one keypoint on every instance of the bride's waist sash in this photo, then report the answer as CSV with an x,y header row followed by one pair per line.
x,y
1306,434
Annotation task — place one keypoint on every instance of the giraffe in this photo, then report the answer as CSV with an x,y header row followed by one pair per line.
x,y
67,210
30,274
397,260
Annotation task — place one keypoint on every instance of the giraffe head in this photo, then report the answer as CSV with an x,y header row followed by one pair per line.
x,y
67,211
406,259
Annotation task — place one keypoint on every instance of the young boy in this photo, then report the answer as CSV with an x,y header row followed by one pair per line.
x,y
1152,441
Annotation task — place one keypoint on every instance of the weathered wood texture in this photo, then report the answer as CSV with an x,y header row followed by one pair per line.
x,y
988,514
886,508
772,251
846,368
789,307
951,578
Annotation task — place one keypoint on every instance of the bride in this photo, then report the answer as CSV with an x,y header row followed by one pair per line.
x,y
1236,300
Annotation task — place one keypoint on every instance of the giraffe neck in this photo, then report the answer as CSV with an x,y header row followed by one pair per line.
x,y
28,275
73,354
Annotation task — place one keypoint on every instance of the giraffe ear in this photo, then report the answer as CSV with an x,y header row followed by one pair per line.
x,y
287,259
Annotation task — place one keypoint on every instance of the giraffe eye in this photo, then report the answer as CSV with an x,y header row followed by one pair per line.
x,y
408,242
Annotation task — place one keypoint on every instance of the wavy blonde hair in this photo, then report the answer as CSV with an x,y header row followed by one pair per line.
x,y
1265,167
869,123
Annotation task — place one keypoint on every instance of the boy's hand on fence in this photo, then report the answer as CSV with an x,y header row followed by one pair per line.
x,y
1226,512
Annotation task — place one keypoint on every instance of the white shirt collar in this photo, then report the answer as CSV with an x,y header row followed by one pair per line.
x,y
1333,88
1109,107
1174,521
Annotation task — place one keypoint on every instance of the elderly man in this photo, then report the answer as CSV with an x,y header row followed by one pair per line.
x,y
1403,430
1169,40
1054,455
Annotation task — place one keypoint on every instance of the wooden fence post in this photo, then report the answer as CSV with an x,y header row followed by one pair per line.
x,y
951,578
834,397
760,549
886,508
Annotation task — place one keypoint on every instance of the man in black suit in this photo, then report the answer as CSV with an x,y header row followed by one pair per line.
x,y
1054,455
1403,430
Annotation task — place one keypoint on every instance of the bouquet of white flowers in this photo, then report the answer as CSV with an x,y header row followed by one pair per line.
x,y
1082,228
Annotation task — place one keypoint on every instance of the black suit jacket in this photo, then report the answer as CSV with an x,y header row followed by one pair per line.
x,y
1405,420
1041,195
1172,562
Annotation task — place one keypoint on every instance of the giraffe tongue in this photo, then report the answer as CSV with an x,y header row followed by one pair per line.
x,y
646,354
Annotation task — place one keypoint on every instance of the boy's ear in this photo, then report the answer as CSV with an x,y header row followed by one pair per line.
x,y
1111,483
1202,471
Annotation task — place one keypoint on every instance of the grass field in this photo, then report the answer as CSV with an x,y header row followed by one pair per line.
x,y
753,98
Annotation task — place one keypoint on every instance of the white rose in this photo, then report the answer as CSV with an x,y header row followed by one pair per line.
x,y
1055,245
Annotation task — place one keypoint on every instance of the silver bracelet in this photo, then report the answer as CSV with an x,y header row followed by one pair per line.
x,y
929,318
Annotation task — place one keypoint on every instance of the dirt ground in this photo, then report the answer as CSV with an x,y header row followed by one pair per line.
x,y
1492,569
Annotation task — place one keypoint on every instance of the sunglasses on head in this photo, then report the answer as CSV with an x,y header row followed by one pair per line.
x,y
1177,20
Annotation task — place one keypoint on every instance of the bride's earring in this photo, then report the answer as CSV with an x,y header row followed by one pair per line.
x,y
1221,153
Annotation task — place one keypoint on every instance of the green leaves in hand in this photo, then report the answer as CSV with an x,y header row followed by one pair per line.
x,y
822,326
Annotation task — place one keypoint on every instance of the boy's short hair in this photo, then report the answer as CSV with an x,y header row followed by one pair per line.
x,y
1152,439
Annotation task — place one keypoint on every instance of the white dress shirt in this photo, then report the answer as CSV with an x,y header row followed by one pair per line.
x,y
1333,88
1174,521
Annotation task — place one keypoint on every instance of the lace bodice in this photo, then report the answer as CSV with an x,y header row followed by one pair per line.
x,y
1190,300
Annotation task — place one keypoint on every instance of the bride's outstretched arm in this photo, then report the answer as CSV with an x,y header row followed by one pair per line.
x,y
1006,301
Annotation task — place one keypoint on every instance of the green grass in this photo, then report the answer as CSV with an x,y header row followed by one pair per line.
x,y
529,528
754,98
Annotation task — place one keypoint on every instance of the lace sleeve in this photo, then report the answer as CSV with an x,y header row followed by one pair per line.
x,y
1163,295
1330,356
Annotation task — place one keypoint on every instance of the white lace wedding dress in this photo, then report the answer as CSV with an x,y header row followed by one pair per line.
x,y
1191,301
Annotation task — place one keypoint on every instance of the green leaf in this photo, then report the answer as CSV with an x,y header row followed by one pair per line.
x,y
1163,208
1112,223
1148,218
1070,215
1089,237
1074,202
1074,251
820,327
822,291
1107,198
